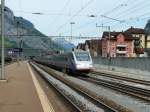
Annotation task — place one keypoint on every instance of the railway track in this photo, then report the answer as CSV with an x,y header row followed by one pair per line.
x,y
88,96
138,81
140,93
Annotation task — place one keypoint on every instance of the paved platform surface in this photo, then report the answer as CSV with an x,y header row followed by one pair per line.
x,y
19,93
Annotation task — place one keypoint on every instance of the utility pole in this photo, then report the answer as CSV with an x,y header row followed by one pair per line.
x,y
2,77
109,36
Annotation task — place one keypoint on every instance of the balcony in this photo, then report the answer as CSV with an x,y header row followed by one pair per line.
x,y
121,52
121,45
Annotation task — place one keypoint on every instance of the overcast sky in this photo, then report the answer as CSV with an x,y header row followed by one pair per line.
x,y
57,15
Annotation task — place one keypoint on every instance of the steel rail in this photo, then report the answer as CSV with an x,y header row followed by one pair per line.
x,y
122,78
66,97
94,99
126,89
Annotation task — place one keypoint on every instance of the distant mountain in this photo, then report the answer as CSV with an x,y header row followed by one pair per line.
x,y
67,46
20,29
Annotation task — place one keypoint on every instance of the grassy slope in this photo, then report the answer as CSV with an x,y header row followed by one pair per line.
x,y
8,44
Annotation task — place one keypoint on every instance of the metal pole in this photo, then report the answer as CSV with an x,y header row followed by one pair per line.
x,y
19,54
18,40
109,46
71,29
2,36
109,36
109,42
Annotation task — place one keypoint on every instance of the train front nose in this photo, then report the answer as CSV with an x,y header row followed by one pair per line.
x,y
84,65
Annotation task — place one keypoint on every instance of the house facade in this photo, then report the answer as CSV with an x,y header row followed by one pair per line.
x,y
119,44
147,50
94,47
148,41
140,41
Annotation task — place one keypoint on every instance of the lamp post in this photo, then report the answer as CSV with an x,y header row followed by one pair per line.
x,y
2,76
71,23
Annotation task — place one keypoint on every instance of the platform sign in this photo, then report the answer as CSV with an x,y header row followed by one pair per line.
x,y
15,50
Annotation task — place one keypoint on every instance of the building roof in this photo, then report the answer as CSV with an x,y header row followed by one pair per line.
x,y
95,41
133,30
113,35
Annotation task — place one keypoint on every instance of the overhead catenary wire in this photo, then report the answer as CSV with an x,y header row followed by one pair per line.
x,y
102,16
137,18
115,9
124,12
110,12
52,14
79,11
130,18
116,12
138,7
66,5
130,11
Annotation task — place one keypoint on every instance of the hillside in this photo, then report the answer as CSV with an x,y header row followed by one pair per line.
x,y
20,29
64,44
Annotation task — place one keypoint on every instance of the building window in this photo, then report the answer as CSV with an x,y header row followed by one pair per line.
x,y
140,35
113,55
121,55
121,48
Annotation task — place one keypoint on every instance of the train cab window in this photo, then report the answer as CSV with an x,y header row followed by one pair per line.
x,y
82,56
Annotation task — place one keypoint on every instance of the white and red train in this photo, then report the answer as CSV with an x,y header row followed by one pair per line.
x,y
75,61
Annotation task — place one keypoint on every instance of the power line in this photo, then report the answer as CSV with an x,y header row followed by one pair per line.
x,y
129,19
137,17
103,15
56,36
88,3
134,8
115,9
66,4
52,14
112,18
125,11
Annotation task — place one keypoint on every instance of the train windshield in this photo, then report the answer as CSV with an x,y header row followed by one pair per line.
x,y
82,56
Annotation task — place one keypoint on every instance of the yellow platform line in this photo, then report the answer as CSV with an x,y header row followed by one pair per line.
x,y
46,105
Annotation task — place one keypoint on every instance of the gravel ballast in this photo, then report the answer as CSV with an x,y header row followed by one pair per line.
x,y
78,100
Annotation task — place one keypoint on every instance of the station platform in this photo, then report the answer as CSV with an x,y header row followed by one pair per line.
x,y
20,93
